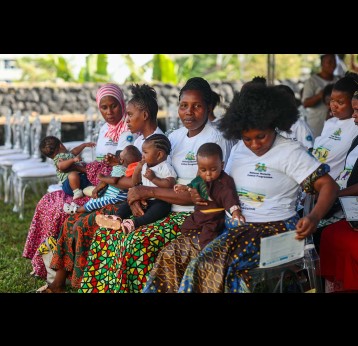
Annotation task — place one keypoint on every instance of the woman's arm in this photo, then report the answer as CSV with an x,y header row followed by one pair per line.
x,y
137,174
313,100
107,179
328,190
141,192
124,183
349,191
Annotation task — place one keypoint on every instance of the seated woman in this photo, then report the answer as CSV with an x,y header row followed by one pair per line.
x,y
268,170
128,268
338,132
49,215
339,241
68,261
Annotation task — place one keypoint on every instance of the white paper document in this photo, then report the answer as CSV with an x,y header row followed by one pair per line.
x,y
350,207
279,249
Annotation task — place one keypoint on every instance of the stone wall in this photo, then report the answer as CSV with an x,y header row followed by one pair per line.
x,y
76,98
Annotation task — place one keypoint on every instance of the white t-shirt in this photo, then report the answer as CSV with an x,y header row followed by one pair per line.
x,y
161,170
333,144
268,185
301,133
104,144
126,138
140,139
346,173
183,154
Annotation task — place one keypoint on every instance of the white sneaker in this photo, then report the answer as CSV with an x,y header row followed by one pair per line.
x,y
77,194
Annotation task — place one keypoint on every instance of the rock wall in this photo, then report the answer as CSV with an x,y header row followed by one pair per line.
x,y
76,98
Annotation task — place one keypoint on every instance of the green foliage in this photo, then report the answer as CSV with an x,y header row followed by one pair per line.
x,y
14,269
95,69
136,71
47,68
164,69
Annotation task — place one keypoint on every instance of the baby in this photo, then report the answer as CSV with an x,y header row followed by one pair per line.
x,y
219,191
128,159
153,170
70,169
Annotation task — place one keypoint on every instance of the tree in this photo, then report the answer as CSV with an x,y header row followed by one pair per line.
x,y
47,68
95,69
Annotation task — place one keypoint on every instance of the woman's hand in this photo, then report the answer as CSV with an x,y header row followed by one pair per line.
x,y
135,193
195,197
180,188
90,144
136,209
306,226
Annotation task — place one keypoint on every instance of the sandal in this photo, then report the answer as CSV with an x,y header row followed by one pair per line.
x,y
109,221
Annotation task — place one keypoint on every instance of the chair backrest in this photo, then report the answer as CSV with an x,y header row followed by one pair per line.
x,y
90,115
36,130
54,128
8,143
25,133
16,130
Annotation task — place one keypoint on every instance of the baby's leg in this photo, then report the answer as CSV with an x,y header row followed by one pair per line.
x,y
74,180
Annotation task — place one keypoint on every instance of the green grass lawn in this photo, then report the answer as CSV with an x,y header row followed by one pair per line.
x,y
14,269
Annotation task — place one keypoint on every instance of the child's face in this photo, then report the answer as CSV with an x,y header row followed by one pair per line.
x,y
341,105
209,168
151,155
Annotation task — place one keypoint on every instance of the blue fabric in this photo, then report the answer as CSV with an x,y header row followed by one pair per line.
x,y
84,182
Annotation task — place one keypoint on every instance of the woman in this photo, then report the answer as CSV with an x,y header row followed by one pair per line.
x,y
136,252
49,215
338,245
313,92
268,170
338,132
76,235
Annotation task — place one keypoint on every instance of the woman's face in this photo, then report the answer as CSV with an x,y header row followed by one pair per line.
x,y
355,110
193,111
110,110
341,105
259,141
136,117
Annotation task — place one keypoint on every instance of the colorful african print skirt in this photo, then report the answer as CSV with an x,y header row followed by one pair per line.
x,y
121,263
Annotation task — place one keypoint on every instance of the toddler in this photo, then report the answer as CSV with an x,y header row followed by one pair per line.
x,y
153,170
128,159
218,189
70,169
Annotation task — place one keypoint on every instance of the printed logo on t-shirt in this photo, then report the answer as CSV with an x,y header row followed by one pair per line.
x,y
321,154
336,135
260,167
309,138
189,159
129,138
250,200
260,171
190,156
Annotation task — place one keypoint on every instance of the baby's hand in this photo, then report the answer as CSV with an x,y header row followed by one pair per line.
x,y
149,174
78,158
236,214
110,160
180,188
